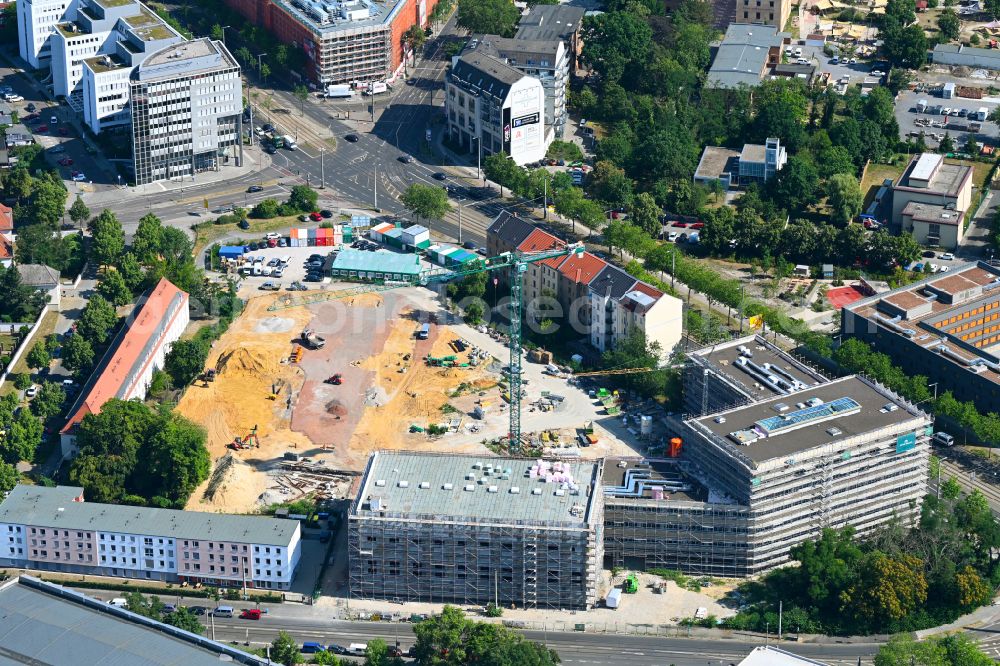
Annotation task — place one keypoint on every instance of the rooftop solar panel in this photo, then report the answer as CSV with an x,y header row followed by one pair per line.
x,y
776,424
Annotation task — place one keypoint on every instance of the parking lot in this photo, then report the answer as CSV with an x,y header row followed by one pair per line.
x,y
855,72
907,117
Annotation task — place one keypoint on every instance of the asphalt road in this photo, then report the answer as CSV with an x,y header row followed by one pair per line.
x,y
573,648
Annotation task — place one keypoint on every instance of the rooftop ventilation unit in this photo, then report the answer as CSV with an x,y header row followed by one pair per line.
x,y
515,490
470,487
404,484
492,489
425,484
380,482
448,486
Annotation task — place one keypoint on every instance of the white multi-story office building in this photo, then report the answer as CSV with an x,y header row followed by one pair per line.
x,y
496,106
36,23
187,103
54,529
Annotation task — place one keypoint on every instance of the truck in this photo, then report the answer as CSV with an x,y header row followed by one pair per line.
x,y
980,114
614,598
424,332
338,92
376,87
278,142
289,142
312,340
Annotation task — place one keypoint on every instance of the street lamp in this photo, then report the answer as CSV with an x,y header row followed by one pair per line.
x,y
259,66
322,169
224,33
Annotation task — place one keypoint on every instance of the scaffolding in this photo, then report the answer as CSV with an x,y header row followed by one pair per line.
x,y
544,553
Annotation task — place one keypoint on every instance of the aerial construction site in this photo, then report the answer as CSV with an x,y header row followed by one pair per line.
x,y
298,394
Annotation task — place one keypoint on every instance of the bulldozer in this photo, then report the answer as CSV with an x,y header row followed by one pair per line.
x,y
313,340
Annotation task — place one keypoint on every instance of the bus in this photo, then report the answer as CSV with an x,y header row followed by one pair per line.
x,y
424,332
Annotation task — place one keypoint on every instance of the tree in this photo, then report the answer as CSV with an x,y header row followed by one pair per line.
x,y
49,400
449,639
109,238
265,71
947,144
41,244
302,94
615,43
646,214
39,356
265,210
904,47
796,185
18,302
634,351
97,320
329,658
183,618
888,588
24,436
147,239
491,17
781,112
9,477
414,37
377,654
185,361
426,201
79,212
303,199
948,24
503,171
610,185
78,355
113,288
844,197
151,608
131,272
284,650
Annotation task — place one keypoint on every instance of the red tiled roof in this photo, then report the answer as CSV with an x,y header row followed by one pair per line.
x,y
582,268
650,291
539,240
6,249
127,360
6,219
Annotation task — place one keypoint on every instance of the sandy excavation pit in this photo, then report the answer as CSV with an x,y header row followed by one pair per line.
x,y
386,386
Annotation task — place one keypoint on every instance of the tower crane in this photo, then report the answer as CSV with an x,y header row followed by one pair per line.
x,y
517,262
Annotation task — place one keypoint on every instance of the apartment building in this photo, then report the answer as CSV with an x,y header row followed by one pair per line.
x,y
492,107
742,371
844,452
549,23
945,327
764,12
36,23
54,529
599,300
345,41
138,349
476,530
186,111
930,200
746,55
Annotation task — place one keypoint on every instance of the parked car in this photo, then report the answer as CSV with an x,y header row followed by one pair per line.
x,y
66,161
53,120
30,108
947,256
270,286
351,138
244,224
326,214
405,159
198,610
57,149
272,234
268,127
439,176
80,177
250,614
315,216
31,391
42,128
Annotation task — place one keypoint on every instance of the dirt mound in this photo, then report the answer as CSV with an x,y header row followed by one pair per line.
x,y
246,363
274,325
336,408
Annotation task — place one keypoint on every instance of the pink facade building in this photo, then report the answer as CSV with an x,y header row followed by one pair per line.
x,y
54,529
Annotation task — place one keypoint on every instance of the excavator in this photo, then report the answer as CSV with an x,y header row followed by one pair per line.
x,y
248,442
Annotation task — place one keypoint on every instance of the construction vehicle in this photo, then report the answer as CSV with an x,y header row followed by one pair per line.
x,y
207,376
516,263
336,380
296,355
248,442
631,584
276,388
311,339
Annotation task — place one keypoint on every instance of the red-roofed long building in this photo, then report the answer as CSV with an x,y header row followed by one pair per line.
x,y
140,347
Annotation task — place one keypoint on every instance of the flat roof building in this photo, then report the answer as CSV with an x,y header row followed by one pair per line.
x,y
361,265
718,164
138,349
167,146
48,624
54,529
742,371
844,452
945,327
930,200
353,41
474,529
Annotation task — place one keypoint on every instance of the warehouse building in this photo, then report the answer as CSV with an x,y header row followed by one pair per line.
x,y
139,349
945,327
45,623
360,265
742,371
845,452
475,530
54,529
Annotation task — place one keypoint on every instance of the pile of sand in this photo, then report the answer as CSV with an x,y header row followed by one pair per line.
x,y
274,325
376,397
247,362
232,483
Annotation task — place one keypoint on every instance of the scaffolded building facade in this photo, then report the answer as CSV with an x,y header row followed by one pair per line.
x,y
457,529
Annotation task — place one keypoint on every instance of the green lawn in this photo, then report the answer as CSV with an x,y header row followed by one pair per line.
x,y
47,327
874,176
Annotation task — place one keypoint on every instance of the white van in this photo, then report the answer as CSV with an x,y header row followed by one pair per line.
x,y
944,439
118,602
357,648
223,611
285,260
